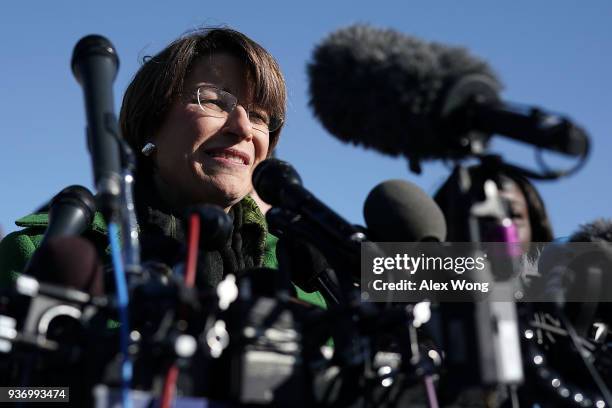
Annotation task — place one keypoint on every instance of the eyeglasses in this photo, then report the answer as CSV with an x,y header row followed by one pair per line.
x,y
219,104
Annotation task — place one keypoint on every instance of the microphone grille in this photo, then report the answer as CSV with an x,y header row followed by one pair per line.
x,y
362,77
271,176
398,211
93,45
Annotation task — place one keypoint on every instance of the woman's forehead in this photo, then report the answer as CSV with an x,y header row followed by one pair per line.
x,y
221,69
513,193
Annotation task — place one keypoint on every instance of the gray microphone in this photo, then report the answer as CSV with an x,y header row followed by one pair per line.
x,y
398,211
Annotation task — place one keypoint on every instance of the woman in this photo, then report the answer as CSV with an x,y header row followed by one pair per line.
x,y
202,114
526,207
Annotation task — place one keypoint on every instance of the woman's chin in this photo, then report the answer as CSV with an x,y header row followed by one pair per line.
x,y
221,185
223,191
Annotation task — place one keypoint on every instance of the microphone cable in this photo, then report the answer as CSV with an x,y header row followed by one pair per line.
x,y
123,302
192,250
193,242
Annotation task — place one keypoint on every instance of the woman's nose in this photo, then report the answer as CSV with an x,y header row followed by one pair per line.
x,y
238,123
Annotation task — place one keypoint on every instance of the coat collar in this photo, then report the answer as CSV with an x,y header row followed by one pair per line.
x,y
42,220
252,216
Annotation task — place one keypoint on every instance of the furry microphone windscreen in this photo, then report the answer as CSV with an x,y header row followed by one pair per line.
x,y
381,89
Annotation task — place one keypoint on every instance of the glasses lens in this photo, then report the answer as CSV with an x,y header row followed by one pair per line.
x,y
265,125
275,123
215,102
262,122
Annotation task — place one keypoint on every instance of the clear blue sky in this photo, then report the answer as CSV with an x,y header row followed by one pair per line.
x,y
557,54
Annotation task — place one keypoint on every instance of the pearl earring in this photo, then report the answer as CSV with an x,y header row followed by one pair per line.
x,y
148,149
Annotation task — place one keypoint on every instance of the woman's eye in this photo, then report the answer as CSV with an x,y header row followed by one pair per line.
x,y
258,118
215,104
516,215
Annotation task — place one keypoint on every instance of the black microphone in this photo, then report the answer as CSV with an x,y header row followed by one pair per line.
x,y
69,261
71,212
215,226
403,96
62,277
94,65
398,211
278,184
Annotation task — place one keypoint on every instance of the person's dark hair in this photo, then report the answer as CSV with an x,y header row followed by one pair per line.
x,y
159,81
541,229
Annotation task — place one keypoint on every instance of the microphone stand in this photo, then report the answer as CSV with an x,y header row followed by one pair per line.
x,y
95,63
489,327
286,222
129,224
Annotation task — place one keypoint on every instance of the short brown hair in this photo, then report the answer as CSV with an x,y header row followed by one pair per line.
x,y
160,80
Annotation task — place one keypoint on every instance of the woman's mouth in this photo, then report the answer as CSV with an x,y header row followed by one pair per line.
x,y
229,156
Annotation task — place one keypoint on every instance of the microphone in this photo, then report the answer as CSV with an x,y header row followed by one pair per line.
x,y
71,211
403,96
303,217
472,333
398,211
94,65
69,261
57,311
278,184
215,225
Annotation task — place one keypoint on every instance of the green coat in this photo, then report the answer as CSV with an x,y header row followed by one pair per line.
x,y
17,248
